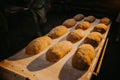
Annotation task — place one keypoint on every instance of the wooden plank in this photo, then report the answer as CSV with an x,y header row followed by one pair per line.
x,y
38,68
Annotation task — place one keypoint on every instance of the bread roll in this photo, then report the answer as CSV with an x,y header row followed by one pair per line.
x,y
83,57
38,45
90,19
78,17
75,35
102,28
69,23
83,25
58,51
58,32
105,21
93,38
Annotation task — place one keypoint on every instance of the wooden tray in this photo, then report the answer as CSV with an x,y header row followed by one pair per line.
x,y
25,67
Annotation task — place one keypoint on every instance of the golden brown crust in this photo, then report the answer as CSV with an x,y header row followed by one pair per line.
x,y
90,19
75,35
69,23
83,25
58,51
83,57
93,38
102,28
38,45
105,21
58,31
78,17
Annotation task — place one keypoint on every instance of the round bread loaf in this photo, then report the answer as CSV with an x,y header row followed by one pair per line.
x,y
58,51
93,38
69,23
83,25
102,28
75,35
38,45
90,19
78,17
105,21
83,57
58,31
